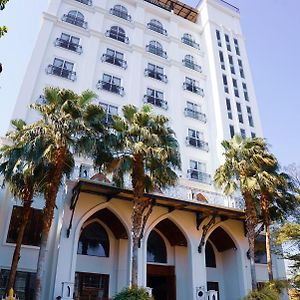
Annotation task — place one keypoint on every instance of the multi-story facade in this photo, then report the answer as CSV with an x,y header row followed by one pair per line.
x,y
191,65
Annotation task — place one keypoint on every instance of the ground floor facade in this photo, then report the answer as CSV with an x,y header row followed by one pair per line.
x,y
187,249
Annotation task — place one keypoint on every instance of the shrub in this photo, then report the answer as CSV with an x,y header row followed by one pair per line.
x,y
271,291
133,294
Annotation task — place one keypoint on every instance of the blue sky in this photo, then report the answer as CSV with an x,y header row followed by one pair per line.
x,y
271,29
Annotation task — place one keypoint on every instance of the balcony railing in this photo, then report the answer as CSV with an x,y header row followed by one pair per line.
x,y
59,71
193,88
86,2
117,36
190,42
120,14
197,143
68,45
199,176
188,112
114,60
75,21
157,51
107,86
156,101
156,75
157,28
191,65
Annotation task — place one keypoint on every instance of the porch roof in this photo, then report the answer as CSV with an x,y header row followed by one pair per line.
x,y
109,192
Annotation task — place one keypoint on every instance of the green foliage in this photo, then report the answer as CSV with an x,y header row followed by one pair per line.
x,y
3,29
133,294
270,291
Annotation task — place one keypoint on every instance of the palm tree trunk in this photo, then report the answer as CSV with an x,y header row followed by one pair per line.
x,y
265,204
16,256
251,222
50,198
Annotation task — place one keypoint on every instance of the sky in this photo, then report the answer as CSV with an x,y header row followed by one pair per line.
x,y
271,30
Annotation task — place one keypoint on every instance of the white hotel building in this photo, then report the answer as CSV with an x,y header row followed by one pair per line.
x,y
189,64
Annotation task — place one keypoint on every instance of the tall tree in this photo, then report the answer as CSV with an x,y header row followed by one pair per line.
x,y
22,172
145,147
243,158
65,119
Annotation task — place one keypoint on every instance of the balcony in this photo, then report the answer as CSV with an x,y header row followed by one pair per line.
x,y
199,176
156,75
190,42
117,36
110,87
193,88
68,45
157,51
157,28
111,59
156,101
188,112
120,14
197,143
75,21
191,65
86,2
59,71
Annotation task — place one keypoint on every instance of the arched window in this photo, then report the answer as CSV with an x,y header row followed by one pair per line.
x,y
75,17
156,48
189,58
210,257
118,34
121,12
93,241
157,26
76,14
188,36
156,248
189,40
156,44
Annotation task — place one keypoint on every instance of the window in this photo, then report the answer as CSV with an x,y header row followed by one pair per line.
x,y
197,172
239,111
156,98
157,26
121,12
156,72
229,110
192,86
189,40
93,241
260,250
231,130
235,87
221,57
69,42
192,110
250,118
156,248
243,133
112,84
115,58
76,18
210,258
241,68
110,112
218,36
236,46
156,48
253,135
117,33
196,139
245,91
62,68
86,2
24,284
32,234
189,62
225,83
231,64
227,42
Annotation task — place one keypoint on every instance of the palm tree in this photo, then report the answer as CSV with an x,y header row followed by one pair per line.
x,y
243,157
66,118
23,174
146,148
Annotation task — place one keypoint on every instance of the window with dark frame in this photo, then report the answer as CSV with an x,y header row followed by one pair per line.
x,y
229,110
156,248
231,130
218,36
239,111
210,257
236,46
231,64
245,91
225,83
240,63
235,87
222,62
250,117
227,42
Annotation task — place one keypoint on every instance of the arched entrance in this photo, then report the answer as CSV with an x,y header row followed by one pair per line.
x,y
222,267
101,255
166,254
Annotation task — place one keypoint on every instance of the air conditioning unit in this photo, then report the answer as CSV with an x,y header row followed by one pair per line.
x,y
149,291
200,293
